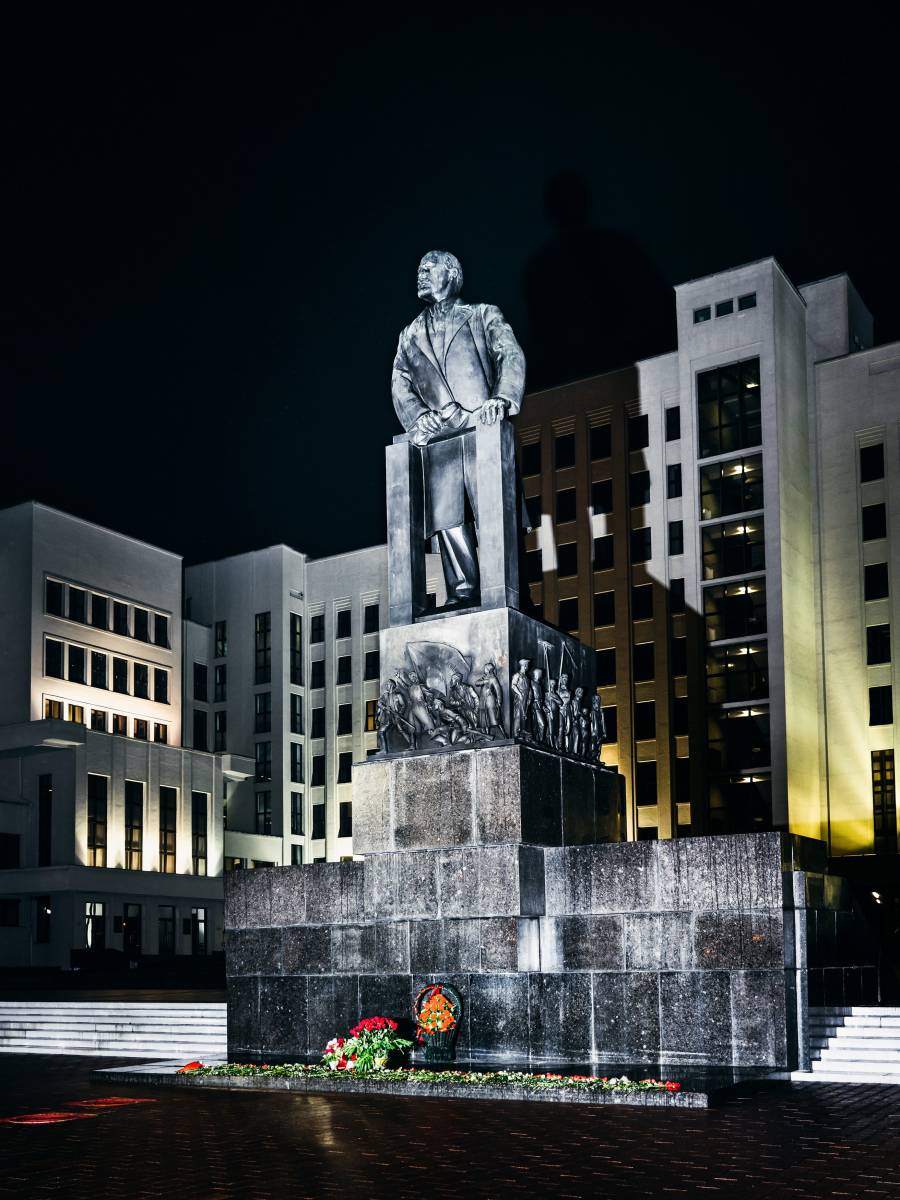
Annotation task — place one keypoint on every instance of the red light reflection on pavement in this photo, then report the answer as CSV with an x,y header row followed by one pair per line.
x,y
108,1102
47,1118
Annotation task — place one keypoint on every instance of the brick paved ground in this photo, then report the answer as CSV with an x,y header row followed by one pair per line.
x,y
767,1140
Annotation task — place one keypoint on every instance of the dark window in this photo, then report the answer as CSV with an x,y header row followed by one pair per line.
x,y
345,719
263,647
611,720
878,644
160,630
568,615
160,733
96,820
120,675
881,706
99,612
735,673
76,664
263,753
874,522
601,441
344,669
639,488
296,856
221,639
645,783
567,559
884,801
702,314
45,820
142,624
641,601
198,926
673,423
98,669
134,825
605,608
876,581
9,851
120,618
220,683
604,553
297,814
676,596
728,400
533,507
345,819
9,913
645,720
733,548
606,668
641,545
373,664
565,505
731,487
343,623
142,681
534,568
602,496
262,712
724,308
264,812
318,770
200,729
296,713
317,673
673,481
370,618
166,925
318,723
565,451
738,738
676,537
160,685
680,716
871,463
317,628
296,762
638,432
77,604
734,610
531,458
644,662
679,656
318,822
748,301
98,720
53,593
200,681
220,730
95,925
43,911
120,725
345,768
296,650
53,654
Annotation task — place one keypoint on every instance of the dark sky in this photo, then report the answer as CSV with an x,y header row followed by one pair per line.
x,y
212,224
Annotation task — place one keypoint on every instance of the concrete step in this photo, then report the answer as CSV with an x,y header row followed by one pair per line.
x,y
834,1052
118,1039
850,1044
132,1030
154,1050
841,1076
857,1010
856,1030
118,1023
38,1007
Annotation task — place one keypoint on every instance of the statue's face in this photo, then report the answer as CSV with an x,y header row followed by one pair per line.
x,y
434,279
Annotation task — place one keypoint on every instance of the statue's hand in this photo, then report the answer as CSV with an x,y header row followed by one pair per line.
x,y
429,423
492,410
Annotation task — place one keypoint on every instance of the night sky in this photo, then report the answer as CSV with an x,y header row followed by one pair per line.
x,y
212,225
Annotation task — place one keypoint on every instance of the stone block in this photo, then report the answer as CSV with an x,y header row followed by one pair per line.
x,y
333,892
243,1014
579,807
373,828
482,880
499,943
385,996
391,947
591,943
626,1016
759,1033
351,949
253,952
433,801
728,939
235,900
332,1008
288,894
400,885
658,941
695,1016
499,1015
444,945
257,887
282,1016
306,950
560,1016
541,799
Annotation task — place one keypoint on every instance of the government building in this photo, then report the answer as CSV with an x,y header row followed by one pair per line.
x,y
716,522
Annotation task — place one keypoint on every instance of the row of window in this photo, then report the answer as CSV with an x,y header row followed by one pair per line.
x,y
130,925
102,721
264,820
109,672
600,442
104,612
97,807
343,623
724,308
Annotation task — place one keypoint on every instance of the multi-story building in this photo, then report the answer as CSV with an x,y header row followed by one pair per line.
x,y
716,522
110,832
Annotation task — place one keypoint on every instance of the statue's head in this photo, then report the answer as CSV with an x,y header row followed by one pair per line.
x,y
440,276
564,680
536,674
551,684
595,701
455,678
524,664
579,692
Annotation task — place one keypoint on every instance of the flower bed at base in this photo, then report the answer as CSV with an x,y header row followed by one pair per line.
x,y
416,1075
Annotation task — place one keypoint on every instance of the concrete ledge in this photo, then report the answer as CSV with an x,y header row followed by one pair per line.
x,y
164,1075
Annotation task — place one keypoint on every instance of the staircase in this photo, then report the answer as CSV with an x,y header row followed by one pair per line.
x,y
853,1045
121,1030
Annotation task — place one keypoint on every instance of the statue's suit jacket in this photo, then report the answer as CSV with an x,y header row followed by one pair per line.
x,y
481,359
